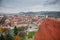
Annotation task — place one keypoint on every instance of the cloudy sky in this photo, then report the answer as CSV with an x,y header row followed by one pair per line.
x,y
15,6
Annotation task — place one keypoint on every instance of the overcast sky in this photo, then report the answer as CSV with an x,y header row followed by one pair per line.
x,y
15,6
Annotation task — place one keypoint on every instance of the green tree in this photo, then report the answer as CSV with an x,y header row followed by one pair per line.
x,y
3,19
15,30
8,37
2,37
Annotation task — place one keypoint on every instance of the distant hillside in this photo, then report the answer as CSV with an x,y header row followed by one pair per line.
x,y
50,13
